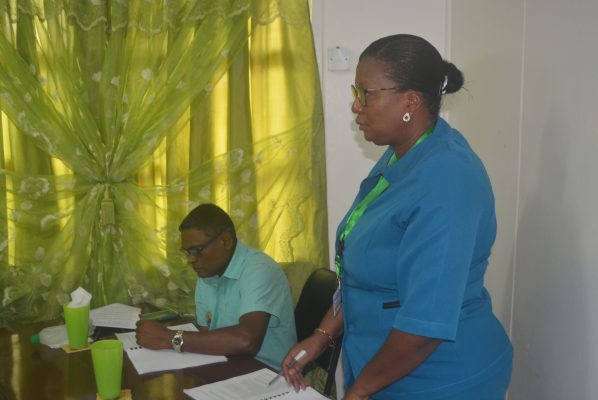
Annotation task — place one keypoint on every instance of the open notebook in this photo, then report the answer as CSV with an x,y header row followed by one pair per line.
x,y
146,360
252,386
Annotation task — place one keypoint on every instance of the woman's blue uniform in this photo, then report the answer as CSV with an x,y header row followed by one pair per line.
x,y
415,262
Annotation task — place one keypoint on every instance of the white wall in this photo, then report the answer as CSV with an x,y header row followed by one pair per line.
x,y
555,326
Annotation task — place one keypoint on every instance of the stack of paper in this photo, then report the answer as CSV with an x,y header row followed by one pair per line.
x,y
252,386
146,360
115,315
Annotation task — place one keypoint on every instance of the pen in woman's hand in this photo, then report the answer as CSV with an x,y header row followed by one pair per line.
x,y
294,361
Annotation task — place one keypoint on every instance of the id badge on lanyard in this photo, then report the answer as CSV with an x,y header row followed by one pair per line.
x,y
337,300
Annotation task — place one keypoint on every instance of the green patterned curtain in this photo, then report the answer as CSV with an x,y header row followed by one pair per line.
x,y
119,116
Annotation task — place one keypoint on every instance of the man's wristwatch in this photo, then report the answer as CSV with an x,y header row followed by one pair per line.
x,y
177,341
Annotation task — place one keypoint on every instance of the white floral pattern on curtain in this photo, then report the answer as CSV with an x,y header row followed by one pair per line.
x,y
105,108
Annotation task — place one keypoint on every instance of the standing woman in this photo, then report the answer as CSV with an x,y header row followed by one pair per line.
x,y
416,320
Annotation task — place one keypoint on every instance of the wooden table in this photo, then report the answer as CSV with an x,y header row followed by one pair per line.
x,y
36,372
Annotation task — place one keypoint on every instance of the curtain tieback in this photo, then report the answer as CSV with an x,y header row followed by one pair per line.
x,y
107,209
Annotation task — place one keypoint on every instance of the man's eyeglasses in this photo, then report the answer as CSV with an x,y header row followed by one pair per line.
x,y
361,94
197,250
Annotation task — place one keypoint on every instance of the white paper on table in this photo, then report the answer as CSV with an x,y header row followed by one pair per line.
x,y
115,315
252,386
146,360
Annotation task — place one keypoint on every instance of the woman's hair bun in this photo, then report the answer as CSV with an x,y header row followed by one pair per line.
x,y
454,78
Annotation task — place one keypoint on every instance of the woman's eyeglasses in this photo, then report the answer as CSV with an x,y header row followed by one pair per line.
x,y
361,94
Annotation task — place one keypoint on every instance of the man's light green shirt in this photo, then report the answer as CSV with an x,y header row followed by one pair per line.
x,y
252,282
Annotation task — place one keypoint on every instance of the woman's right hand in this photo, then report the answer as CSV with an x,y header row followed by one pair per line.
x,y
313,346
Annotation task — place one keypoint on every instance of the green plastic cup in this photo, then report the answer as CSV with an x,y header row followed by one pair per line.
x,y
77,325
107,358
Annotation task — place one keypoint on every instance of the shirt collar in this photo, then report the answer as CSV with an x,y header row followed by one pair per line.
x,y
235,265
394,171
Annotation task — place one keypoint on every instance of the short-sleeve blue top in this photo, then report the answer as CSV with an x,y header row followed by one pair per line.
x,y
251,282
415,262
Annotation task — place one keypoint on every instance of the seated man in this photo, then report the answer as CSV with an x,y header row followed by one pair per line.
x,y
242,298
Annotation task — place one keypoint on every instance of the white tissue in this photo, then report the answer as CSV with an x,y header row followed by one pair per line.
x,y
79,298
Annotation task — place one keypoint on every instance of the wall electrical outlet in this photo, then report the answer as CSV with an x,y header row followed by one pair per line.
x,y
338,59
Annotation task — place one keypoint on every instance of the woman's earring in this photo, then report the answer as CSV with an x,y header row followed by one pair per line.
x,y
406,117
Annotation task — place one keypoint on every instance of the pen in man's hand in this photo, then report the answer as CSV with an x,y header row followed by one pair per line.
x,y
294,361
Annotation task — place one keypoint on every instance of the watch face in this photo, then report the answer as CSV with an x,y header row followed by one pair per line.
x,y
177,340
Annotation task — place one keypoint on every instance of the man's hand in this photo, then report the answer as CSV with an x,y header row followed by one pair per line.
x,y
152,335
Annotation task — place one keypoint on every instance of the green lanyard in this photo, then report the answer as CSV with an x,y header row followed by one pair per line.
x,y
358,211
